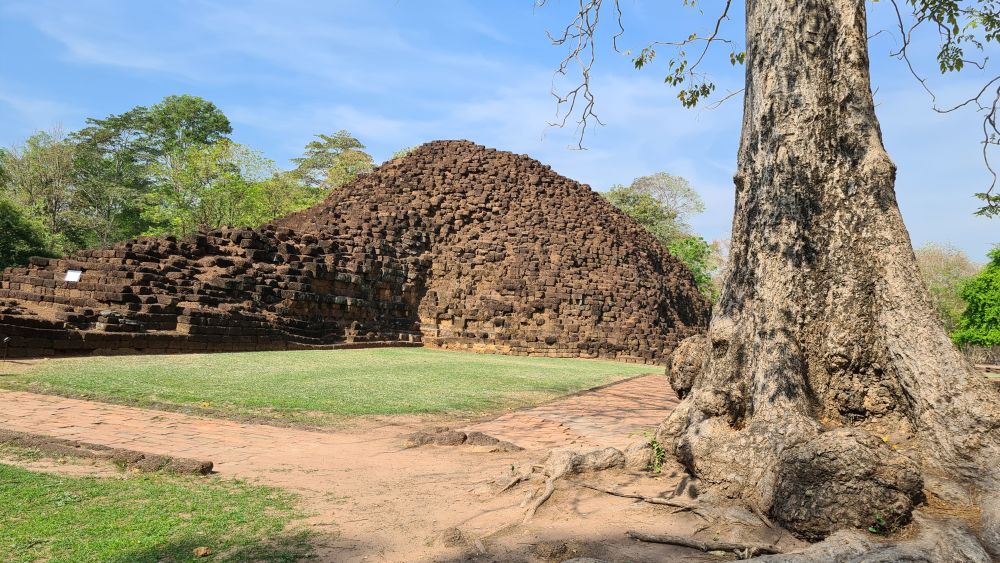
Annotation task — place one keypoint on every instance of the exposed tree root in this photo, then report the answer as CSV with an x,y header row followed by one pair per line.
x,y
560,463
760,514
515,480
744,550
936,540
550,487
651,500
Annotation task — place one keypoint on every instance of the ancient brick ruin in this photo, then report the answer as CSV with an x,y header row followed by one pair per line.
x,y
454,245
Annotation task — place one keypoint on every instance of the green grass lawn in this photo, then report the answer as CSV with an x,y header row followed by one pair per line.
x,y
139,518
325,386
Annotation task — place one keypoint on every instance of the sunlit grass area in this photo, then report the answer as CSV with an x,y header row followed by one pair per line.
x,y
143,518
321,386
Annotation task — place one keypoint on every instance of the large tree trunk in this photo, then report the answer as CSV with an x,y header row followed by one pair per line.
x,y
826,392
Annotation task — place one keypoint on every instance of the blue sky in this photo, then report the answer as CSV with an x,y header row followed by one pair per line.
x,y
400,72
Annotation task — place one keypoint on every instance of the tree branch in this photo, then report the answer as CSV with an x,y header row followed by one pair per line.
x,y
991,134
743,549
580,36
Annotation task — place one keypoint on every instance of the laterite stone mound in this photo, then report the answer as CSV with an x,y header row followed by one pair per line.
x,y
454,245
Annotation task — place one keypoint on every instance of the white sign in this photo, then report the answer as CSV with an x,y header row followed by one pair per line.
x,y
73,275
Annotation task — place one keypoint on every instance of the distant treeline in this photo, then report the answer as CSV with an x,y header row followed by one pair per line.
x,y
170,168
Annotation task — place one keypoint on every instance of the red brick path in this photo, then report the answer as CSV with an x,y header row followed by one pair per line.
x,y
615,415
608,416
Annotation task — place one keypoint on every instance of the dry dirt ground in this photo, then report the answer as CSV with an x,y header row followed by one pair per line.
x,y
370,498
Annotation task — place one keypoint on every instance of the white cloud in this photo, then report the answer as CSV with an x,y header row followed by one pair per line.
x,y
324,47
98,34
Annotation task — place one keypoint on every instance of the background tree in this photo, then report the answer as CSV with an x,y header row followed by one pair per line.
x,y
824,339
208,186
20,236
4,177
674,193
332,161
165,169
180,122
112,176
979,324
696,253
38,177
662,204
944,268
157,133
648,211
125,163
281,194
169,168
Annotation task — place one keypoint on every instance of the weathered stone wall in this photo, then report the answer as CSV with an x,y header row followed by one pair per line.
x,y
453,245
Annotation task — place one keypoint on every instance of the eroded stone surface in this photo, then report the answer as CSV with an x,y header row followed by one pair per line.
x,y
455,245
844,478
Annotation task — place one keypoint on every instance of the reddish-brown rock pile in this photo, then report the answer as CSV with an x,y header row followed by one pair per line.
x,y
454,245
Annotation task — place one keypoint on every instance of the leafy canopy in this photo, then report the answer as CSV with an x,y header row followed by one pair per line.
x,y
980,322
662,204
38,178
331,161
649,212
179,122
209,186
697,255
119,169
20,237
166,128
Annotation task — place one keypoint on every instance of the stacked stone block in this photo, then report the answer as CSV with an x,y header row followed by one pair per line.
x,y
454,245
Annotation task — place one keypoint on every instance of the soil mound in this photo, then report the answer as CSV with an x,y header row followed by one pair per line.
x,y
453,245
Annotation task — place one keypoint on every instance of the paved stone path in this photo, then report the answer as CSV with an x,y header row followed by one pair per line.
x,y
606,416
614,415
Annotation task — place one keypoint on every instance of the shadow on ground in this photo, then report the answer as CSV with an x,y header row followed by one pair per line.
x,y
286,548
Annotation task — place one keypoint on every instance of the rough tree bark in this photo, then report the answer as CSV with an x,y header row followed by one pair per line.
x,y
826,391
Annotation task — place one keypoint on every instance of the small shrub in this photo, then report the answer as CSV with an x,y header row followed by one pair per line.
x,y
659,454
882,527
697,255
